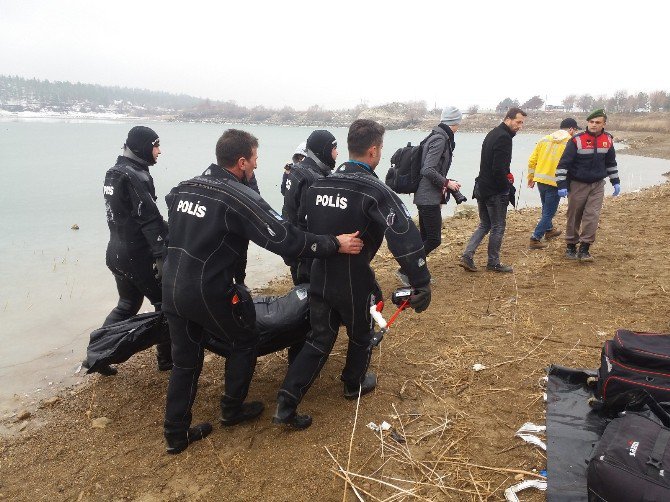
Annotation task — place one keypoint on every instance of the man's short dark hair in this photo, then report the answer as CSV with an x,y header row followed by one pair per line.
x,y
234,144
363,134
513,112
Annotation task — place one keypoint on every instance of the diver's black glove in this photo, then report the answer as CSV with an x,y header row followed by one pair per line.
x,y
420,299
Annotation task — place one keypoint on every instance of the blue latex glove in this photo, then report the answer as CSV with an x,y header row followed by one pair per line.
x,y
617,189
562,192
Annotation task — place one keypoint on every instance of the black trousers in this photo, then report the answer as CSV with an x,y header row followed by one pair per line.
x,y
132,287
188,346
326,320
430,226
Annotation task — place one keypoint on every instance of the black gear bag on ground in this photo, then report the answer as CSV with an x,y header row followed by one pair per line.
x,y
634,361
631,461
281,322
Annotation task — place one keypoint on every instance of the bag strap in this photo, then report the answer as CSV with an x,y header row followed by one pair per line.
x,y
655,460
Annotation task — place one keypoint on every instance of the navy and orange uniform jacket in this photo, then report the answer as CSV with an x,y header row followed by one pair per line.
x,y
588,158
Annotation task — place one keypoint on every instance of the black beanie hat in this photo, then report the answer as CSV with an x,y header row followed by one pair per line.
x,y
321,143
141,141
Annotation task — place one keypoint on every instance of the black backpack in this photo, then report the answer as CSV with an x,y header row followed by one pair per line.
x,y
634,361
629,462
405,172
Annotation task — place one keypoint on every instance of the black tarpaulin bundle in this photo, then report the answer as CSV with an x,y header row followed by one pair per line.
x,y
281,322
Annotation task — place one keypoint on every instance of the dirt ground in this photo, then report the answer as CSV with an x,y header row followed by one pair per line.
x,y
458,424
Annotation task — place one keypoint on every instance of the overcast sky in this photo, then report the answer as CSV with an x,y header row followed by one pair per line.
x,y
342,53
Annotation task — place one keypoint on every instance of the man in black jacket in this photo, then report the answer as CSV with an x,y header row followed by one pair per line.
x,y
492,191
137,233
211,220
343,288
319,162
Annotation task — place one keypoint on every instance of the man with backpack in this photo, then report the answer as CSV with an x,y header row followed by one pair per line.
x,y
434,186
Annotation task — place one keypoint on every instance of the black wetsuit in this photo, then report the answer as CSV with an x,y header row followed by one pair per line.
x,y
137,234
343,287
299,180
212,218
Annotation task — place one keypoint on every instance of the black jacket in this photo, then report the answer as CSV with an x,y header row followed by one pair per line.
x,y
135,223
211,220
352,199
300,179
495,163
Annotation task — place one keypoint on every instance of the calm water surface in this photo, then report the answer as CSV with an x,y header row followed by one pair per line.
x,y
54,285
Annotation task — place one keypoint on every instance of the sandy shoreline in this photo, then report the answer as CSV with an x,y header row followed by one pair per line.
x,y
556,312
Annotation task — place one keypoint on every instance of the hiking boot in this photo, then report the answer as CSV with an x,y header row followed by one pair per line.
x,y
286,415
402,277
248,411
468,264
367,385
571,252
552,234
178,442
103,369
583,253
499,267
535,244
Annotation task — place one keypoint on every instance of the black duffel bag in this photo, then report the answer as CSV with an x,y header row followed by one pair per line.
x,y
634,361
631,461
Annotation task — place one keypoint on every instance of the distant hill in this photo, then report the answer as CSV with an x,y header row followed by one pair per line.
x,y
19,94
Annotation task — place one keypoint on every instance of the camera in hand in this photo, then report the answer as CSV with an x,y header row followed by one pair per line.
x,y
458,196
399,296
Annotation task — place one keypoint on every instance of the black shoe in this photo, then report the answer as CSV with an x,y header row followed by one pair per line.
x,y
176,443
367,385
571,252
499,267
286,415
103,369
468,264
583,253
248,411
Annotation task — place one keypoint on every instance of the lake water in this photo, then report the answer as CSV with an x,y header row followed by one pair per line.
x,y
54,285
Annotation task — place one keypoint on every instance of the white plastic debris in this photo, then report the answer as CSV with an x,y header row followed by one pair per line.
x,y
510,493
532,428
478,367
527,431
384,426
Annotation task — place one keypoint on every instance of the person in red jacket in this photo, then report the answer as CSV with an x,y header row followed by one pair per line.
x,y
588,159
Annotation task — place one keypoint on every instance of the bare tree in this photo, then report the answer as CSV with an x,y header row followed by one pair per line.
x,y
534,103
569,101
506,104
585,102
473,110
657,100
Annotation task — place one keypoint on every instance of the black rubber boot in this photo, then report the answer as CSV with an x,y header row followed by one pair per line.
x,y
103,369
583,253
178,442
367,385
164,356
286,415
248,411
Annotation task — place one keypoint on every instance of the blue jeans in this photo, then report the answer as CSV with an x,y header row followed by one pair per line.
x,y
549,197
493,218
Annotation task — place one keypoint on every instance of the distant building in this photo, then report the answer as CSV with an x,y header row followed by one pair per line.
x,y
560,108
